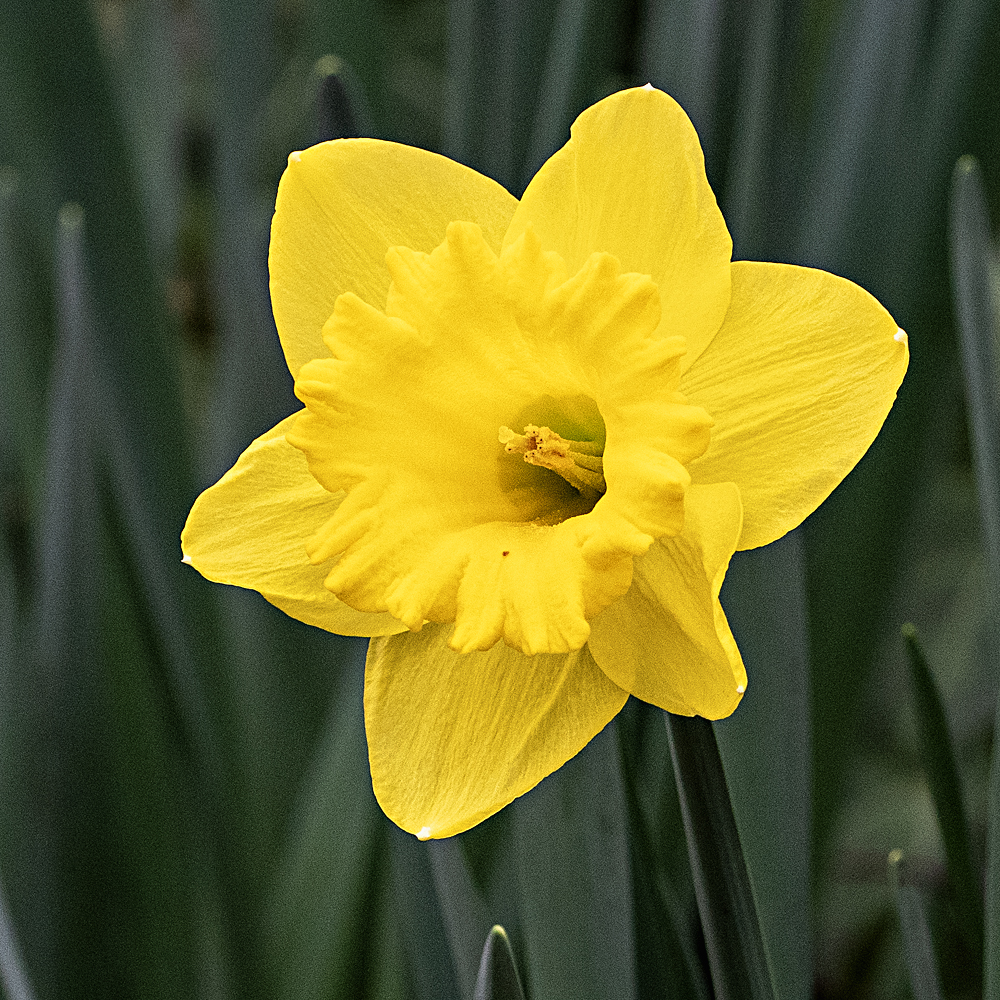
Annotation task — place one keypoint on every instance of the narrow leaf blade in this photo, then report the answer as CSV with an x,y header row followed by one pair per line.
x,y
573,873
498,978
733,940
971,251
938,759
917,947
766,750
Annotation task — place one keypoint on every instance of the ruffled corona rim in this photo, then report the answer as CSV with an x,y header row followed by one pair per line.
x,y
534,434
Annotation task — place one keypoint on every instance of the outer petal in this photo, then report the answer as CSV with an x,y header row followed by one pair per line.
x,y
452,737
250,529
341,205
667,641
799,381
631,182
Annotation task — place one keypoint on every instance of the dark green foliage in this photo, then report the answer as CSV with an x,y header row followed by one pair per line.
x,y
736,956
498,979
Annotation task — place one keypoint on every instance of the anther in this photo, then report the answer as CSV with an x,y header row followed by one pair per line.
x,y
580,463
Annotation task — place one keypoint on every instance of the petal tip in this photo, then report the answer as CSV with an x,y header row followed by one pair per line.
x,y
424,833
186,559
900,336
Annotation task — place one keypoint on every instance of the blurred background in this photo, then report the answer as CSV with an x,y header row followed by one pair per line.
x,y
185,805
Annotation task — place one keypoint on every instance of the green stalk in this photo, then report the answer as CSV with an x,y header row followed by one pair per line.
x,y
736,955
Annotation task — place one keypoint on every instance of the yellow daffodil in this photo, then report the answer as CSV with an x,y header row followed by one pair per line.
x,y
549,422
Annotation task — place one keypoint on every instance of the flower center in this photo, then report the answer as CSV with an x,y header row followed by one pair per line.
x,y
439,524
580,463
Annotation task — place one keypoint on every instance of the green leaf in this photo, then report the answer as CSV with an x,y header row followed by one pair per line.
x,y
874,163
972,253
917,946
67,627
13,975
319,917
681,54
575,51
498,978
24,345
747,190
493,84
127,867
145,70
766,749
341,108
938,760
667,938
736,955
421,923
253,390
573,875
462,907
356,34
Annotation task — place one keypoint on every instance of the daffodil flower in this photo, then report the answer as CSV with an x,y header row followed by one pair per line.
x,y
534,433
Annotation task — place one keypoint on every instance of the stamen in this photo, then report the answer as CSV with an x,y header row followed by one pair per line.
x,y
580,463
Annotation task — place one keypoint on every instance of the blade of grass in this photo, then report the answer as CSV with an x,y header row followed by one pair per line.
x,y
420,921
252,386
24,336
145,71
13,974
80,132
494,51
880,227
319,916
340,104
736,955
66,624
580,47
747,187
122,825
972,254
666,957
462,908
79,136
572,870
460,125
498,978
918,948
680,54
357,34
387,975
765,747
938,760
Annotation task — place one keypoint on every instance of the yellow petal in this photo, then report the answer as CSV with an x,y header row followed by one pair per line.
x,y
667,641
631,182
452,738
799,381
250,529
341,205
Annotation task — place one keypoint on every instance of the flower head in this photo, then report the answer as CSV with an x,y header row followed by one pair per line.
x,y
533,435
